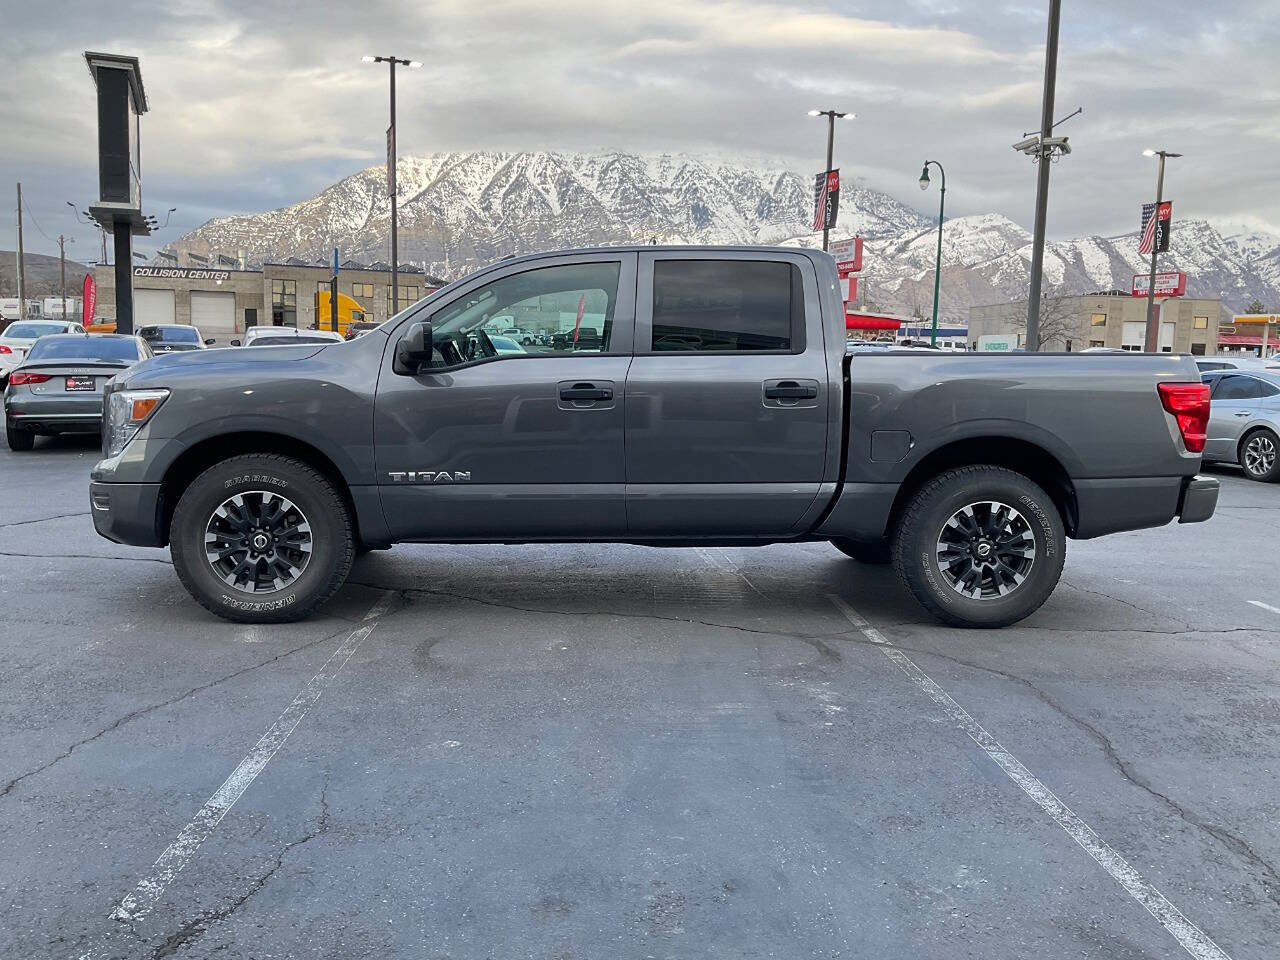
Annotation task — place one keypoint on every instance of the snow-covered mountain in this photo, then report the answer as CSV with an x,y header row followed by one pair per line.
x,y
459,210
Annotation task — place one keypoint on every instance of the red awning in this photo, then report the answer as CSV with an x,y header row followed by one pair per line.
x,y
870,321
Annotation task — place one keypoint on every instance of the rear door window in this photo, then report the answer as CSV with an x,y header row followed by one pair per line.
x,y
1241,387
727,306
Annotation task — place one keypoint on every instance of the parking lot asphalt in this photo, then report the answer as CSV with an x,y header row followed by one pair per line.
x,y
587,751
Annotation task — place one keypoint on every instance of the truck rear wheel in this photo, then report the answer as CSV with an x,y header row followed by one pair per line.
x,y
980,546
262,539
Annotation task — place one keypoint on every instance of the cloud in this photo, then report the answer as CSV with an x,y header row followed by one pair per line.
x,y
259,104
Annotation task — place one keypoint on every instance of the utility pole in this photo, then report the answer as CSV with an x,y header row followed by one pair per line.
x,y
395,193
22,286
62,272
392,62
1042,182
832,116
1152,338
831,142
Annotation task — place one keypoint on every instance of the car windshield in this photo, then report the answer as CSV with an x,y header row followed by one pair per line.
x,y
85,348
277,341
30,331
169,334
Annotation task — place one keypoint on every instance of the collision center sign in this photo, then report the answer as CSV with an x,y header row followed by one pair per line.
x,y
181,273
1167,284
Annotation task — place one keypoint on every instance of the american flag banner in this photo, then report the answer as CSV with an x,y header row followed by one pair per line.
x,y
826,199
1155,227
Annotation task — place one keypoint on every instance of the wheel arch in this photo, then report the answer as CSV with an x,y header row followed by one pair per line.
x,y
200,456
1022,456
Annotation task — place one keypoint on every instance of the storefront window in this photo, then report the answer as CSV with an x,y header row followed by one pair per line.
x,y
284,303
408,297
359,290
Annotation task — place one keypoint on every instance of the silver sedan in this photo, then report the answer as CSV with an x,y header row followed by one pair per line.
x,y
59,385
1244,421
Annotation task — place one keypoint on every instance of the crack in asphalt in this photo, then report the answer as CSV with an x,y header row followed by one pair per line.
x,y
1127,603
488,602
81,556
143,711
1238,846
197,927
60,516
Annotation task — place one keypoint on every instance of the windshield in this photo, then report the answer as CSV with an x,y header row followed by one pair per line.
x,y
169,334
30,331
85,348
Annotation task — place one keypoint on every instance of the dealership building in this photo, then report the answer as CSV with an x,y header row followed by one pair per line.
x,y
223,298
1113,319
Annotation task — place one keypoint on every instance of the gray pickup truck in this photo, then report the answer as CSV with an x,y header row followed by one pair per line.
x,y
704,397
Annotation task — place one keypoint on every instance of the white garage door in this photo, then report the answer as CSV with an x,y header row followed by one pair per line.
x,y
152,306
213,314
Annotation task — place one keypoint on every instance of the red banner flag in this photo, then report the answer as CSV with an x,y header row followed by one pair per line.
x,y
90,299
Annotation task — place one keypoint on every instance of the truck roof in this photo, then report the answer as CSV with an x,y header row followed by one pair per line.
x,y
665,248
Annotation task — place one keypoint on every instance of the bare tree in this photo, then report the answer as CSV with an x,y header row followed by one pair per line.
x,y
1059,321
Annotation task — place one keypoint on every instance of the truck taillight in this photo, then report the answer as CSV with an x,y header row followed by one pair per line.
x,y
4,349
18,379
1189,404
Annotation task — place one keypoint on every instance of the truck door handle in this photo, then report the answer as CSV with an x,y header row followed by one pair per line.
x,y
1243,413
586,391
790,390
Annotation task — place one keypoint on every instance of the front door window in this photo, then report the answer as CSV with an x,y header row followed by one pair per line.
x,y
565,310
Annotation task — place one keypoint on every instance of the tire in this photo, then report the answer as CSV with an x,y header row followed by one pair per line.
x,y
20,440
1260,455
862,551
971,591
266,485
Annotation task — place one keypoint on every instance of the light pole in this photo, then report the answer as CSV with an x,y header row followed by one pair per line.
x,y
1152,344
832,116
391,174
937,270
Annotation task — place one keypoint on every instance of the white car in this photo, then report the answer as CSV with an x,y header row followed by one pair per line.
x,y
276,336
505,345
18,337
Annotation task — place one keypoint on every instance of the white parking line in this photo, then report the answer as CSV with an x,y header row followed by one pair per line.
x,y
1265,606
144,896
1192,938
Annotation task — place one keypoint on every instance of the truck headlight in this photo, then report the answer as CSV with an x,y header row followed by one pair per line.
x,y
127,411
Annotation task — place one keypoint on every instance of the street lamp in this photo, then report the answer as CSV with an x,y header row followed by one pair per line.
x,y
392,62
937,269
1152,344
832,116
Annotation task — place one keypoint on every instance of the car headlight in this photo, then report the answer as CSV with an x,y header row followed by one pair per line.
x,y
127,411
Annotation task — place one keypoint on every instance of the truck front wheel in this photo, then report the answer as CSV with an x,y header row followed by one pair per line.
x,y
262,539
980,546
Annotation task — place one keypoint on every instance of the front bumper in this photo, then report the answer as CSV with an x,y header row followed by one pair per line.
x,y
127,512
1199,499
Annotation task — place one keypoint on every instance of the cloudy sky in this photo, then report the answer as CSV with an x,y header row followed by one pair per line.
x,y
257,104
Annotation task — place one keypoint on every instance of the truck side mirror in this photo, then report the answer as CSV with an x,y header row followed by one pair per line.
x,y
235,343
413,350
